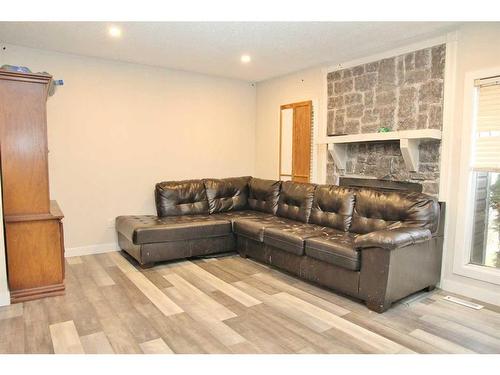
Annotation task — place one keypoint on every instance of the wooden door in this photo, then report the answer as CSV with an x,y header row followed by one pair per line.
x,y
300,125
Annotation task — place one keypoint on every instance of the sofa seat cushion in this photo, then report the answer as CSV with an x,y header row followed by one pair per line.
x,y
291,237
336,248
232,216
152,229
253,228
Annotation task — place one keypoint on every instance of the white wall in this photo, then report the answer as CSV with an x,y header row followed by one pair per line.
x,y
115,129
271,94
476,50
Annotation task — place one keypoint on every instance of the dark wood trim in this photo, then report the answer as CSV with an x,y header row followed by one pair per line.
x,y
55,214
35,293
298,104
25,77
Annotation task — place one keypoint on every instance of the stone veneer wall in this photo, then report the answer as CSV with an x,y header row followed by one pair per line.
x,y
400,93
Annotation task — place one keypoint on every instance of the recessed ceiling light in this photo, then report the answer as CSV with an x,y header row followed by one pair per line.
x,y
115,31
245,59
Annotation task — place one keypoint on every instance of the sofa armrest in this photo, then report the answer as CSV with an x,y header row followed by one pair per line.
x,y
391,239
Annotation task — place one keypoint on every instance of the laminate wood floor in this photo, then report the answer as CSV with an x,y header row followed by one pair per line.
x,y
230,305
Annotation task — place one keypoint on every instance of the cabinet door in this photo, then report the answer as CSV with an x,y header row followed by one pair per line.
x,y
23,147
34,254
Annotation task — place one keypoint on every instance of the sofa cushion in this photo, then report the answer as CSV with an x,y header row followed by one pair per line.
x,y
263,195
232,216
174,198
253,228
291,237
152,229
227,194
376,210
335,248
333,207
295,200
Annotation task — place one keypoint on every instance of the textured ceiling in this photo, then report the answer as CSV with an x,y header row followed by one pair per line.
x,y
214,48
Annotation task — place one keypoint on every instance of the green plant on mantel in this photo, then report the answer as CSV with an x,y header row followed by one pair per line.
x,y
384,130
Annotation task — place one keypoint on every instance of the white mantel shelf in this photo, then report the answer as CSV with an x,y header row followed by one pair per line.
x,y
409,141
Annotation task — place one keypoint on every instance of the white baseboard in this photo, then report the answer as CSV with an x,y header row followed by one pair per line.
x,y
92,249
479,294
4,298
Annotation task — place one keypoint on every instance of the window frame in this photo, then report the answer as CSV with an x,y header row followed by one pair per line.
x,y
465,218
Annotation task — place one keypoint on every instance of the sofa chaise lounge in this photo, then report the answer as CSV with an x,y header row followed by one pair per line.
x,y
373,245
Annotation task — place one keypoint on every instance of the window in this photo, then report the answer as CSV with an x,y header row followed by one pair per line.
x,y
477,220
485,244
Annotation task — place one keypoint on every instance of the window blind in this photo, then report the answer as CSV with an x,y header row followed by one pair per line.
x,y
487,130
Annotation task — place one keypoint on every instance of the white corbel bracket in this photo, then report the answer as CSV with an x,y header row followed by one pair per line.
x,y
409,150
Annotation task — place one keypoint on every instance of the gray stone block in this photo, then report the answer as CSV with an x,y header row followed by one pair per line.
x,y
409,62
368,98
416,76
355,111
334,76
387,73
431,92
351,127
365,82
335,102
435,117
353,98
344,86
358,70
407,102
372,67
346,73
438,61
368,117
422,59
386,98
429,151
422,121
330,122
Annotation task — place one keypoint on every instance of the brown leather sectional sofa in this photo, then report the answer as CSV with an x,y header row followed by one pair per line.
x,y
373,245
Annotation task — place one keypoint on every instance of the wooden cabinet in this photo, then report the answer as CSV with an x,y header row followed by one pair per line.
x,y
33,224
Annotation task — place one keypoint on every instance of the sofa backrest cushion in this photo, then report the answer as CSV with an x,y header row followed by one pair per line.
x,y
377,210
263,195
295,200
174,198
227,194
333,207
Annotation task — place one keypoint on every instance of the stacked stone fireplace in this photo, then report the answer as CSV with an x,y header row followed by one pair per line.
x,y
403,92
